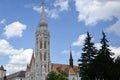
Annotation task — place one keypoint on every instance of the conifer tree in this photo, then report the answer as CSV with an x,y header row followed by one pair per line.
x,y
105,47
103,62
116,69
88,54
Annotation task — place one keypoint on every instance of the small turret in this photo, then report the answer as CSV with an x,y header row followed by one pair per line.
x,y
2,72
71,59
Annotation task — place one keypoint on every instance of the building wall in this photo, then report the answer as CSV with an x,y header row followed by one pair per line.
x,y
2,73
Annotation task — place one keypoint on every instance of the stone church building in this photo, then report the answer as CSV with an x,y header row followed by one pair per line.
x,y
40,64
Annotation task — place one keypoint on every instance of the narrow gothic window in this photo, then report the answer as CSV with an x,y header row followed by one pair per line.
x,y
45,67
44,44
40,56
48,68
40,44
45,56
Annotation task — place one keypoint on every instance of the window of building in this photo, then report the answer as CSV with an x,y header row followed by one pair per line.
x,y
40,44
45,44
73,78
45,67
45,56
40,56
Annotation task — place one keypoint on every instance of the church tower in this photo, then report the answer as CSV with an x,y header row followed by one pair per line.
x,y
43,63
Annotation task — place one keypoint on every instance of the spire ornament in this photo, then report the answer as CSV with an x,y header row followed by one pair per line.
x,y
71,59
43,21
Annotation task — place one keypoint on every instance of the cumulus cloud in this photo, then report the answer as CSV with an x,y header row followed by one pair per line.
x,y
63,5
92,11
18,57
115,28
14,29
52,13
3,21
58,7
66,52
80,40
6,48
19,61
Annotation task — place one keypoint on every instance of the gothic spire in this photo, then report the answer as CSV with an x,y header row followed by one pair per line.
x,y
43,21
71,59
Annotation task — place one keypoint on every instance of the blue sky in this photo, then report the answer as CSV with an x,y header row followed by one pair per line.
x,y
68,22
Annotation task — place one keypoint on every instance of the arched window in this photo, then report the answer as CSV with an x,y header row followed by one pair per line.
x,y
45,67
40,44
45,57
45,44
73,78
40,56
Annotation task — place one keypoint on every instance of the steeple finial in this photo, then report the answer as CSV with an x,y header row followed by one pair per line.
x,y
43,21
71,59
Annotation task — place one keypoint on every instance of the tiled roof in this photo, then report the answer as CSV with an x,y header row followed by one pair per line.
x,y
17,74
63,67
32,59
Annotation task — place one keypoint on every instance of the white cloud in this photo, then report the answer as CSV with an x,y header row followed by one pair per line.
x,y
98,45
58,7
18,57
115,28
3,21
66,52
37,8
115,50
52,13
80,40
6,48
92,11
19,61
14,29
63,5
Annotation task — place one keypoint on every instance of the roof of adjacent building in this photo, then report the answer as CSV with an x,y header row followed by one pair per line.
x,y
2,68
17,74
64,67
31,61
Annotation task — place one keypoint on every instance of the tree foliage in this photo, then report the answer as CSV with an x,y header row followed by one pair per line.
x,y
88,54
98,64
61,75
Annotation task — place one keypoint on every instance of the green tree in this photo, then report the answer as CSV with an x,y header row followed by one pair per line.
x,y
61,75
103,62
88,54
116,71
52,76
